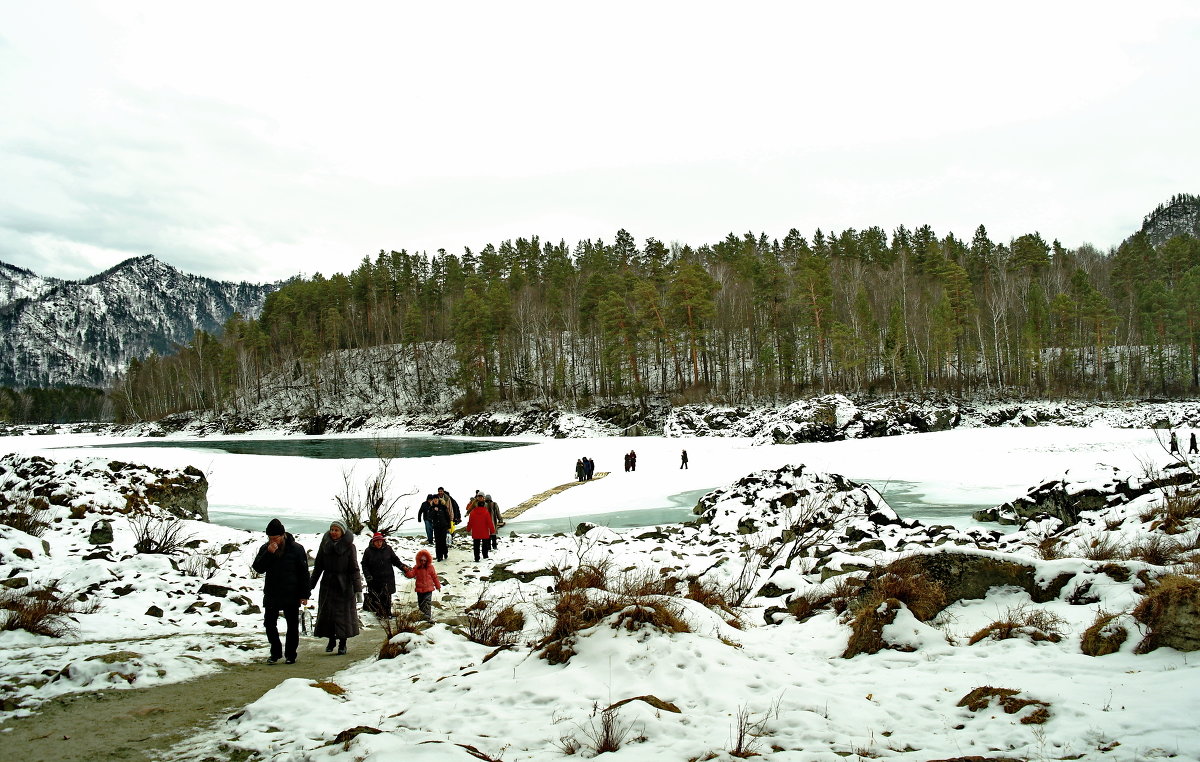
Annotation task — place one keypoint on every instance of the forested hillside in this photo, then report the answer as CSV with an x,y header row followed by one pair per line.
x,y
746,319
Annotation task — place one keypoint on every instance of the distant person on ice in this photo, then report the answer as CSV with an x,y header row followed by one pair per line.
x,y
284,565
336,568
425,574
1192,444
377,562
683,459
579,469
632,460
1174,443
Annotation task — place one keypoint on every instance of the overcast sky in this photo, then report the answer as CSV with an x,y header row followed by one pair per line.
x,y
254,141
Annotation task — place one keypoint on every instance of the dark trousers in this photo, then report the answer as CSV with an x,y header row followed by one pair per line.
x,y
378,601
428,532
291,615
441,551
485,544
425,604
495,541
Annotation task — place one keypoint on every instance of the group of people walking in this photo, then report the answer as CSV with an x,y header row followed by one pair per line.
x,y
289,583
1192,449
585,469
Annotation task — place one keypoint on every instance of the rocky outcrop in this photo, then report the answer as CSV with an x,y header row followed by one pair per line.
x,y
1084,490
127,488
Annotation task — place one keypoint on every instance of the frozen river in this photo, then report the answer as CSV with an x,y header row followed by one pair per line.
x,y
937,478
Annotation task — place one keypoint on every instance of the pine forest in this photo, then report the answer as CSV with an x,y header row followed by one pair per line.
x,y
749,319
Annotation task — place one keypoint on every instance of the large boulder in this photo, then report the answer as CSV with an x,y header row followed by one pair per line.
x,y
1171,613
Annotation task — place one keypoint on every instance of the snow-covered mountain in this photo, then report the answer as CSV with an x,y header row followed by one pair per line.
x,y
85,332
19,283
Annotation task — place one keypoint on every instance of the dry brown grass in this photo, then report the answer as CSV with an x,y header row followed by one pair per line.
x,y
1165,594
595,576
901,582
1155,549
709,596
981,698
1100,638
805,605
500,628
1172,514
656,613
409,621
573,611
638,582
904,581
1037,624
1049,548
30,515
1103,548
42,611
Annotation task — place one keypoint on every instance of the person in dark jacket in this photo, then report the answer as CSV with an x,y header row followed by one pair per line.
x,y
683,461
377,562
284,564
579,470
497,519
425,514
336,568
441,528
1192,444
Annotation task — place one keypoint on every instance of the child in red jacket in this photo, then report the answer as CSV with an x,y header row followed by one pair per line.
x,y
427,581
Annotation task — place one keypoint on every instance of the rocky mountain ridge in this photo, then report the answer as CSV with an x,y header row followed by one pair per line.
x,y
85,332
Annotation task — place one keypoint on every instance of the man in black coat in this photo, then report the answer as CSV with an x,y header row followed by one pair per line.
x,y
284,564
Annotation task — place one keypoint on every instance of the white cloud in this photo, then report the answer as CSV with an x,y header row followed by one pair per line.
x,y
257,140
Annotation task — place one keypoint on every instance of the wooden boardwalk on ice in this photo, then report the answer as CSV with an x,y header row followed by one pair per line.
x,y
512,513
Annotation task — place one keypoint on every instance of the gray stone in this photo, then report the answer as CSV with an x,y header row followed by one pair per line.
x,y
102,533
154,611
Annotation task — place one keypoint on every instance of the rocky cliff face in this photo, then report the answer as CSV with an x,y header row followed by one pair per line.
x,y
85,332
1179,216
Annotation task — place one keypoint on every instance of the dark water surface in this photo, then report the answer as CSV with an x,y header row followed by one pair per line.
x,y
333,448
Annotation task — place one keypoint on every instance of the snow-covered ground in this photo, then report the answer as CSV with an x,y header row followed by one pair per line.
x,y
799,699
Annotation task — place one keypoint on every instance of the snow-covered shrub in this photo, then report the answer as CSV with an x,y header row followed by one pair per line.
x,y
1105,635
42,611
1036,624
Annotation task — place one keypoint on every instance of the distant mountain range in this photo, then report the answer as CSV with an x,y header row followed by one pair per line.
x,y
55,332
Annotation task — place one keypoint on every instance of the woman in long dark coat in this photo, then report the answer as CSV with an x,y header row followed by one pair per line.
x,y
377,562
337,570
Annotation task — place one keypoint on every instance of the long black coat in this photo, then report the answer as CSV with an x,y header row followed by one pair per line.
x,y
337,570
441,517
286,573
377,565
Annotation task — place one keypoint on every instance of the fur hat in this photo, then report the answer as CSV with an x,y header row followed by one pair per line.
x,y
274,528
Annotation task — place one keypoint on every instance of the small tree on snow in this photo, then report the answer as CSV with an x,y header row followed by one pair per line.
x,y
373,506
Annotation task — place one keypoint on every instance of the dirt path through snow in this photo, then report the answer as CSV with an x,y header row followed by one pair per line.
x,y
142,724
